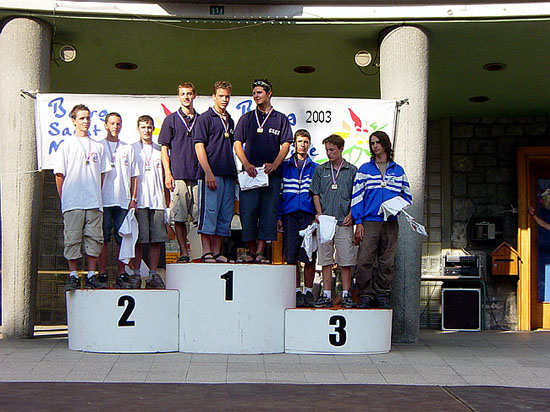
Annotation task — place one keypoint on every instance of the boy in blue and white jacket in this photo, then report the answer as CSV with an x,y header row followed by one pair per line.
x,y
296,212
377,181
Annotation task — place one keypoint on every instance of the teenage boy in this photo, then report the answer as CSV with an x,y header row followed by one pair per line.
x,y
266,136
181,165
213,136
79,169
297,212
332,186
118,193
152,199
377,181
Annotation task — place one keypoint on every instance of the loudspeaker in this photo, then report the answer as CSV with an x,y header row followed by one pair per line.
x,y
461,309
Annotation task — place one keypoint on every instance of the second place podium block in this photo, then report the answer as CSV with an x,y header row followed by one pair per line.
x,y
236,309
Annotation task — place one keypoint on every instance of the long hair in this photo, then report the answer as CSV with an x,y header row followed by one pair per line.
x,y
385,142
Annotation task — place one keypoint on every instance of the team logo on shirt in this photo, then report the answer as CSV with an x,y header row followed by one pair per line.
x,y
125,160
274,131
158,163
94,157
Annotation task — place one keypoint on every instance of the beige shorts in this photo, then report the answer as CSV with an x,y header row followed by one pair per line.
x,y
82,230
343,243
183,201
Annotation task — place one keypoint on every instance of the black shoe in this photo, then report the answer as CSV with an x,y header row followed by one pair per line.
x,y
122,282
300,301
323,302
309,300
155,282
347,302
94,283
103,277
135,281
72,284
367,302
382,302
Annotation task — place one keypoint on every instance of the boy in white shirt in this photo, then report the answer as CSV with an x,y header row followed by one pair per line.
x,y
118,193
79,170
152,199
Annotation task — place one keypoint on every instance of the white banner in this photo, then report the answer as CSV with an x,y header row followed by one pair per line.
x,y
353,119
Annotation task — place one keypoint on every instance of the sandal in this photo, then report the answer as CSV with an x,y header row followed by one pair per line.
x,y
208,258
243,259
260,258
222,259
183,259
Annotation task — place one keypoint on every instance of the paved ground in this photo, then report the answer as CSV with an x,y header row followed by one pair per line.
x,y
462,371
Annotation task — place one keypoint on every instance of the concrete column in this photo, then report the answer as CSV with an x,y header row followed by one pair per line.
x,y
404,75
25,45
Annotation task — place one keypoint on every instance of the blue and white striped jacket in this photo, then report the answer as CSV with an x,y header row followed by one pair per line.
x,y
369,191
295,195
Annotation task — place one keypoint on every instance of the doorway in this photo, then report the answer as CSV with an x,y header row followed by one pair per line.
x,y
533,240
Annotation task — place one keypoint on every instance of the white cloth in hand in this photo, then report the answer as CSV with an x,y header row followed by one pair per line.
x,y
327,228
129,232
309,243
246,182
393,207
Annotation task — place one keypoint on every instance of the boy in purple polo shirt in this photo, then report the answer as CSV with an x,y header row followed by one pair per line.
x,y
180,164
266,136
213,137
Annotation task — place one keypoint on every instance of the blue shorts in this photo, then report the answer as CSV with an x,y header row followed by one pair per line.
x,y
258,211
113,217
292,241
216,207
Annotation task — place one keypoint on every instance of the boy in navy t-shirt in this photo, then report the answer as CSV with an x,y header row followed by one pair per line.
x,y
262,138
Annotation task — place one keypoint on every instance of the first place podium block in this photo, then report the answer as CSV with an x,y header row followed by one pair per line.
x,y
232,308
123,321
338,331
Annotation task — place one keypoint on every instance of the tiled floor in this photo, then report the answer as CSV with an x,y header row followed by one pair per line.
x,y
520,359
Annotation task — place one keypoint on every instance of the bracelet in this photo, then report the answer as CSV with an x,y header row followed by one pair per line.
x,y
134,199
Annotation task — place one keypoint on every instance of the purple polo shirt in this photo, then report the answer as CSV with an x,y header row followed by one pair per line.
x,y
261,148
183,159
219,149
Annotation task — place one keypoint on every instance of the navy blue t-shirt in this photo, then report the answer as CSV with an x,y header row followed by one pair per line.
x,y
209,130
173,133
261,148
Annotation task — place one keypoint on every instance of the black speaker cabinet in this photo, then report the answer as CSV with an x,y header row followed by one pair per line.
x,y
461,309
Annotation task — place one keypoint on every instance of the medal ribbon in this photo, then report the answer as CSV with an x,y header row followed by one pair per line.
x,y
189,129
147,160
89,148
301,170
337,172
225,123
261,126
111,152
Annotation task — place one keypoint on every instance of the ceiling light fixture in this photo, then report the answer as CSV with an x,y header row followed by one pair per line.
x,y
126,66
494,67
304,69
67,53
363,58
479,99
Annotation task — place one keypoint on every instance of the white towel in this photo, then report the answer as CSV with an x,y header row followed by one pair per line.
x,y
327,228
393,207
246,182
129,232
310,240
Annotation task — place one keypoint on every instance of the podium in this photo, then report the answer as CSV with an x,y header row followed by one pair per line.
x,y
123,321
333,331
232,308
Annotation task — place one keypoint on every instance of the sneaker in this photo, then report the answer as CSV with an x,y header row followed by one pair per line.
x,y
323,302
300,303
103,277
134,281
122,282
155,283
382,302
94,283
347,302
366,302
72,284
309,300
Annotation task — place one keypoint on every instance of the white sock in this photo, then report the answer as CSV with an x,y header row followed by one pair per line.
x,y
91,273
345,293
327,293
298,290
136,272
308,290
74,274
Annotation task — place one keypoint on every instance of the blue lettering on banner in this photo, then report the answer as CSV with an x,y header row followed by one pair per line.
x,y
58,109
54,146
66,132
54,131
96,130
292,119
313,152
244,106
102,115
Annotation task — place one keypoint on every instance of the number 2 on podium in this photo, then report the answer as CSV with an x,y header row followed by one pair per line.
x,y
228,277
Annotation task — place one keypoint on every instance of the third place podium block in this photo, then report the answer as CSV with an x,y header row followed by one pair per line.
x,y
232,308
344,331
